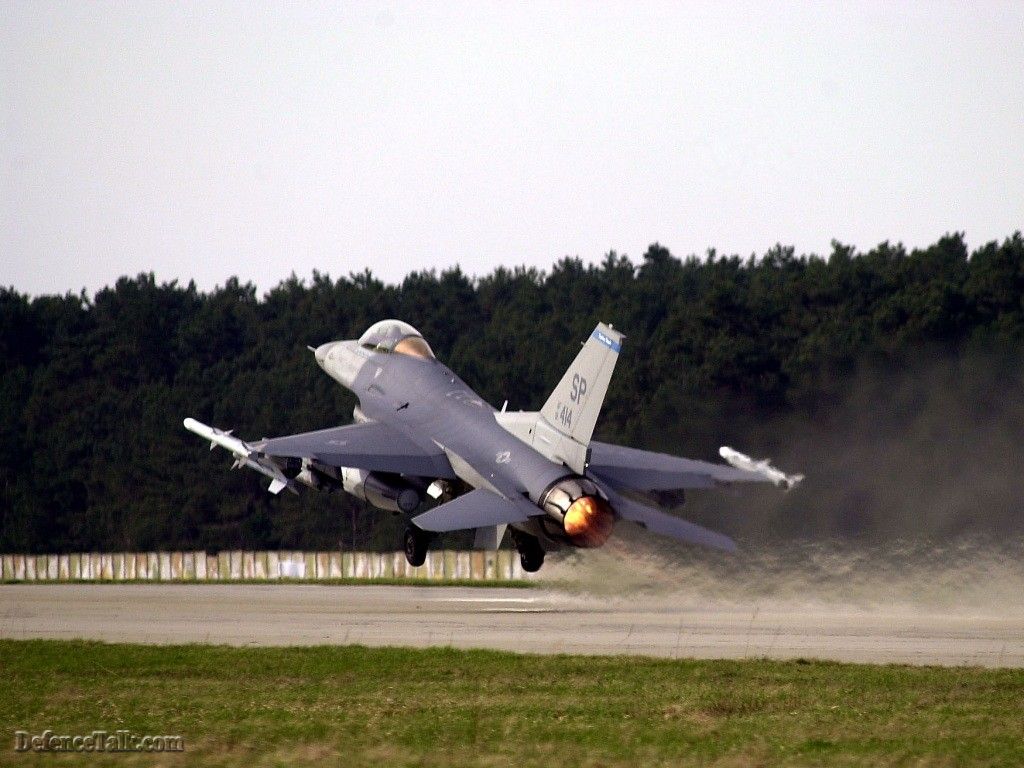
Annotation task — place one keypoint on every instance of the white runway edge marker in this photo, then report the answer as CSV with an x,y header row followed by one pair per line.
x,y
482,600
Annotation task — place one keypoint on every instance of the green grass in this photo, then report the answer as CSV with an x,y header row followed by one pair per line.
x,y
357,706
389,581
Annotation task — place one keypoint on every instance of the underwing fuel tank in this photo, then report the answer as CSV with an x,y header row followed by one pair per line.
x,y
578,508
395,496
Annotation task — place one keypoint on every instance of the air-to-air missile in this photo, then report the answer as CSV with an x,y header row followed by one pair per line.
x,y
244,454
761,466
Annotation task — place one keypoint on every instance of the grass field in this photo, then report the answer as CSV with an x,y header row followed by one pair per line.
x,y
356,706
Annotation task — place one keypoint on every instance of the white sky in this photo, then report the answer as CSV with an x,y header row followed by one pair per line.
x,y
202,141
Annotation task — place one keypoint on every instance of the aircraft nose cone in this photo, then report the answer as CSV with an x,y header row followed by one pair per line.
x,y
321,352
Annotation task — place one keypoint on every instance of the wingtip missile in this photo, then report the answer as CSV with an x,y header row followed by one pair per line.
x,y
244,454
792,481
218,437
762,467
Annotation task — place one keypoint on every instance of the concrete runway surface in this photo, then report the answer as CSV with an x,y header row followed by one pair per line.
x,y
532,620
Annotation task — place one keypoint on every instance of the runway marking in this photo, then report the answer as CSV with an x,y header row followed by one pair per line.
x,y
519,610
482,599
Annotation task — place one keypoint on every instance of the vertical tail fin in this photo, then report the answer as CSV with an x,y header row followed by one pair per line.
x,y
574,406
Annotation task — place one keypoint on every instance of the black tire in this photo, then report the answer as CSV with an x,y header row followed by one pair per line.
x,y
532,559
417,542
531,553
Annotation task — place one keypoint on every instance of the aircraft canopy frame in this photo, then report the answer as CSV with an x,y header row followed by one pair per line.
x,y
396,336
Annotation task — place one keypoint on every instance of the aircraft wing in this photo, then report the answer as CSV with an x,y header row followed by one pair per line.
x,y
476,509
664,524
638,470
369,445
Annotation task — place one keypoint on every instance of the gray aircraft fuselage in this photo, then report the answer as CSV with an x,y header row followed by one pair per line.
x,y
425,401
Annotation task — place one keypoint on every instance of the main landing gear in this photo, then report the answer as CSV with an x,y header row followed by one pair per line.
x,y
531,554
417,542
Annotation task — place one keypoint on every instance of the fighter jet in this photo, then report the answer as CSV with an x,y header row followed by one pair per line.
x,y
420,432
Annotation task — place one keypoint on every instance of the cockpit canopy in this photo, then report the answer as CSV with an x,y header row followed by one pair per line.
x,y
396,336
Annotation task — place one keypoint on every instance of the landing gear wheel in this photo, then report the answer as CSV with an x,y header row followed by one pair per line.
x,y
417,542
532,560
531,554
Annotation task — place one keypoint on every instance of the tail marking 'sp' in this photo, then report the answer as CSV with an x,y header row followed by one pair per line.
x,y
576,402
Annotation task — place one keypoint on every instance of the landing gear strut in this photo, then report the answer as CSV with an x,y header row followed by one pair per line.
x,y
417,542
531,554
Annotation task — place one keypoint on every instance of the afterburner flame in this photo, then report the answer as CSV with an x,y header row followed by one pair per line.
x,y
589,521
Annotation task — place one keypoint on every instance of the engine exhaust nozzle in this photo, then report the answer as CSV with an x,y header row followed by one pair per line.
x,y
589,521
584,516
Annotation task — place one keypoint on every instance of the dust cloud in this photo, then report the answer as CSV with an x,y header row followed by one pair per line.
x,y
960,576
931,453
914,495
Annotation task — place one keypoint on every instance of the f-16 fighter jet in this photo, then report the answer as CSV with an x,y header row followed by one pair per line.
x,y
421,432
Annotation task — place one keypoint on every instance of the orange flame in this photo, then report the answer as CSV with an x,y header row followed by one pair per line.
x,y
589,521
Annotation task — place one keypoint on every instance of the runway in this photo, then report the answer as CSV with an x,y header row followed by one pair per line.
x,y
528,620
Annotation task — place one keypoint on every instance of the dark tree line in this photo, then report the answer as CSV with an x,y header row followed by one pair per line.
x,y
776,355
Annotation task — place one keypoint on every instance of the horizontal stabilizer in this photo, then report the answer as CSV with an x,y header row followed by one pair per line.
x,y
489,537
476,509
664,524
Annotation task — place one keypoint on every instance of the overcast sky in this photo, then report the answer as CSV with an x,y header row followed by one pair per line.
x,y
203,141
